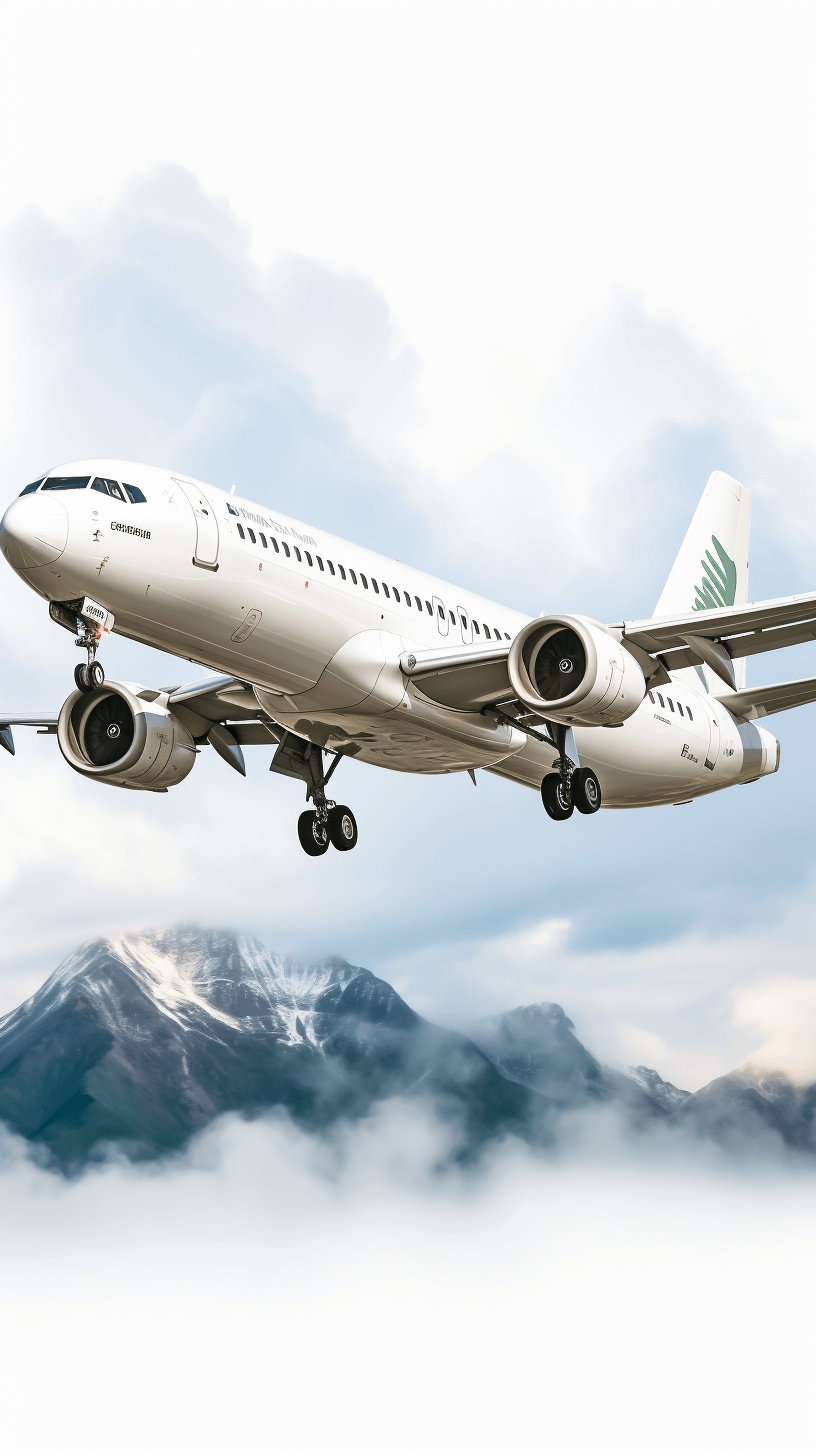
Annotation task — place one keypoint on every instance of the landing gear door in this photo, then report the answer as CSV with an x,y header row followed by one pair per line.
x,y
441,616
206,549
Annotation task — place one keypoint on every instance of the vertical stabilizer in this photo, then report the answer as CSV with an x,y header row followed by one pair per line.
x,y
711,569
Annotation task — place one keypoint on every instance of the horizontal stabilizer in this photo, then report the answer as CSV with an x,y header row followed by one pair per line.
x,y
753,703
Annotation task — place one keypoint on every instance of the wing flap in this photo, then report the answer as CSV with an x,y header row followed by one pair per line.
x,y
741,629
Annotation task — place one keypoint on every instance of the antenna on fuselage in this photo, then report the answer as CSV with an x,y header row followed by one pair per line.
x,y
232,490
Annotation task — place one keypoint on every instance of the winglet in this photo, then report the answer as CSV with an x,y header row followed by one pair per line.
x,y
7,738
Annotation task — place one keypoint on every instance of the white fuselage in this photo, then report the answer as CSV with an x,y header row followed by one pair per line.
x,y
317,624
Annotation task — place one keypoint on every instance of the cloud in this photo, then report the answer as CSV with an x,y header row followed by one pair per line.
x,y
267,1287
783,1013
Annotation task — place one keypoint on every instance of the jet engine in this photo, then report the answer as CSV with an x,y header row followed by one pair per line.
x,y
125,735
570,669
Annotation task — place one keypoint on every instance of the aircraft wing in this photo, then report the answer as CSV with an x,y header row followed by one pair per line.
x,y
44,722
741,631
773,698
470,678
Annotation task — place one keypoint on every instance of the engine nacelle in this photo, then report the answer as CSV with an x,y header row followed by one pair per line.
x,y
126,735
571,670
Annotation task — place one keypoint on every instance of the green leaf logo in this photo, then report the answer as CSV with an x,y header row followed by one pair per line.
x,y
719,581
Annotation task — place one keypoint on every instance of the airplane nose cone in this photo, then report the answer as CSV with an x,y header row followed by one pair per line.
x,y
34,531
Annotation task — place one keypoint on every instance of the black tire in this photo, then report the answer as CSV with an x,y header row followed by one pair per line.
x,y
342,827
96,674
81,677
555,799
586,791
313,836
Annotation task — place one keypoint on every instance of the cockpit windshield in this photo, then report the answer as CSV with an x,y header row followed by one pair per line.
x,y
35,484
109,487
128,493
67,482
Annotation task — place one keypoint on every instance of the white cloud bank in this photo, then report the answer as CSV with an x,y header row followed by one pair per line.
x,y
272,1293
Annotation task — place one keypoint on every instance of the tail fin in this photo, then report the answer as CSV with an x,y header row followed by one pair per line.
x,y
711,569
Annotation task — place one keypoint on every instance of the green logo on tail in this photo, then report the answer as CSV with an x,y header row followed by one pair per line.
x,y
719,581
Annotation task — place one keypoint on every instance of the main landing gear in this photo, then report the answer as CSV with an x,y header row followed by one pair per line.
x,y
90,675
327,823
569,787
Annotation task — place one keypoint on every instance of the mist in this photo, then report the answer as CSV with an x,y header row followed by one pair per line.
x,y
271,1291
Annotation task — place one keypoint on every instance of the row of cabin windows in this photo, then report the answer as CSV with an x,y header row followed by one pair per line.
x,y
376,585
671,705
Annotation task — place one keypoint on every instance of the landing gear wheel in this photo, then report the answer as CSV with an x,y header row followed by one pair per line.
x,y
82,678
555,797
313,836
96,674
585,791
342,827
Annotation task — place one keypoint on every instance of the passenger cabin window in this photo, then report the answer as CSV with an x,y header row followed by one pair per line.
x,y
342,570
273,539
453,616
353,576
441,611
408,599
319,561
507,635
660,700
651,697
374,584
251,534
363,580
241,531
419,604
680,709
298,555
487,629
387,592
309,559
430,609
286,549
691,715
35,485
396,593
263,539
670,703
67,482
497,632
476,625
331,569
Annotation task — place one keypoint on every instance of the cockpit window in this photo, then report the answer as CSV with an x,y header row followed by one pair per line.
x,y
67,482
35,484
109,487
137,499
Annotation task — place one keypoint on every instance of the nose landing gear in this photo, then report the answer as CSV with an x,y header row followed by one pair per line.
x,y
90,675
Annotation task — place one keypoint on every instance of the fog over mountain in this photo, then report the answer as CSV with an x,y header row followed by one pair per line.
x,y
143,1040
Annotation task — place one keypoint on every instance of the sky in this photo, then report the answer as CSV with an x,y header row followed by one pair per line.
x,y
491,288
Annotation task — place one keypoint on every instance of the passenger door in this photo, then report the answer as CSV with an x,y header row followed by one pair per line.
x,y
441,616
465,624
206,548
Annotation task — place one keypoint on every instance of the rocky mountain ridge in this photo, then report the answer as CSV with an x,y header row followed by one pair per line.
x,y
141,1040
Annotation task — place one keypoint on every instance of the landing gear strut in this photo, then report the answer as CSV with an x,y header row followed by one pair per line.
x,y
327,823
90,675
568,787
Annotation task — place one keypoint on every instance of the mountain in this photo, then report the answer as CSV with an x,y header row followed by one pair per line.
x,y
143,1039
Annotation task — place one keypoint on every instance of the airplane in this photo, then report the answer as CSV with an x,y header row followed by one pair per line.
x,y
325,650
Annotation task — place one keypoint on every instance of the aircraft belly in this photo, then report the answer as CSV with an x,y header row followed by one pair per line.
x,y
647,759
